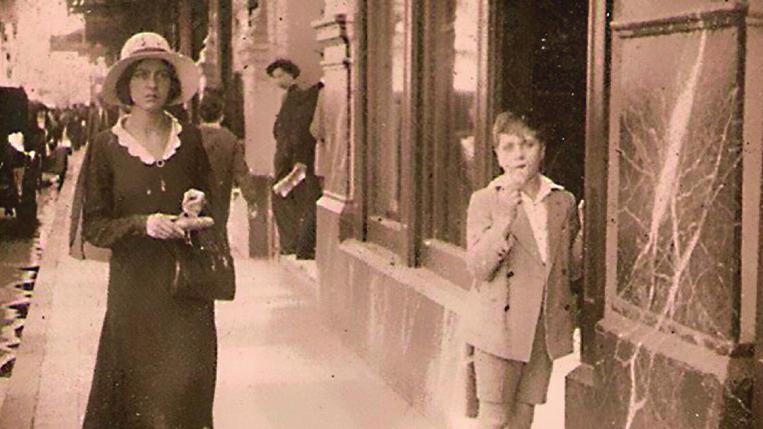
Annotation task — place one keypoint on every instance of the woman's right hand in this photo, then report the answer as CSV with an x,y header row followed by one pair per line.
x,y
163,227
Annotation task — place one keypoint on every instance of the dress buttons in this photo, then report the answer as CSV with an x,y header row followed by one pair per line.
x,y
160,163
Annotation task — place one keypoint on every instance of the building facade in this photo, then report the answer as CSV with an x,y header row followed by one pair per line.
x,y
654,117
261,32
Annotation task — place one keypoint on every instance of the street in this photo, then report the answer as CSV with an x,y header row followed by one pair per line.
x,y
20,253
278,366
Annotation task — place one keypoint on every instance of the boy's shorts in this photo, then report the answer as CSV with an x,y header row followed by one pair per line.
x,y
506,381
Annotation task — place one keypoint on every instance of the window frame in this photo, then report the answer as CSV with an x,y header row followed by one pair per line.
x,y
397,235
445,259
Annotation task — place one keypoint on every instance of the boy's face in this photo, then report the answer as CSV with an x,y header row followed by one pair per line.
x,y
520,156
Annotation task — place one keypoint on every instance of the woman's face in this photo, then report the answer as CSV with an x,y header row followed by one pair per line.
x,y
519,155
150,85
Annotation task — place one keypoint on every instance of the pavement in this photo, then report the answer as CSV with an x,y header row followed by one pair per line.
x,y
278,366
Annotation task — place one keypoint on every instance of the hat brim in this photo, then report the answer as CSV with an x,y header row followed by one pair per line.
x,y
188,74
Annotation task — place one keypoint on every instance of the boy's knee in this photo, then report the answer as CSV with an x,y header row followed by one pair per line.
x,y
492,415
522,415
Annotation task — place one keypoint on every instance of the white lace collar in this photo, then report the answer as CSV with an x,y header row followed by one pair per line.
x,y
137,150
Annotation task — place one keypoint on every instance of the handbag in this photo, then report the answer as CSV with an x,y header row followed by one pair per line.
x,y
204,267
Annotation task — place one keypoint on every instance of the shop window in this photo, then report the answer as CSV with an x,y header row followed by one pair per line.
x,y
388,105
386,68
454,48
454,153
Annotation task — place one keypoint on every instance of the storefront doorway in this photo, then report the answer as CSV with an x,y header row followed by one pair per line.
x,y
543,76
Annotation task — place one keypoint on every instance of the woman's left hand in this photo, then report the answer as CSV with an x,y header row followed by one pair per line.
x,y
193,202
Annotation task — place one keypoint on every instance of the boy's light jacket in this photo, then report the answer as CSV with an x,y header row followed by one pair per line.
x,y
505,300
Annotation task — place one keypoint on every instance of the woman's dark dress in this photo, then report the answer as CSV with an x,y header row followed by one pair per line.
x,y
156,361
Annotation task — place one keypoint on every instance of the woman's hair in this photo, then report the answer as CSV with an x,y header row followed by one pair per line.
x,y
509,123
123,83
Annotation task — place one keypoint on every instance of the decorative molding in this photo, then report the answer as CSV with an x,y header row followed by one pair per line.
x,y
332,29
336,56
670,327
725,367
723,16
754,20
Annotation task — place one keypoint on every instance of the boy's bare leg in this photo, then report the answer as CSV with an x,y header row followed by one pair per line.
x,y
521,416
492,415
497,380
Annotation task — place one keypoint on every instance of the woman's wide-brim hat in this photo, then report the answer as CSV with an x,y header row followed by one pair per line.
x,y
148,45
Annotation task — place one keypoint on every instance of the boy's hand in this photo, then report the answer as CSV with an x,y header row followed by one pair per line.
x,y
510,199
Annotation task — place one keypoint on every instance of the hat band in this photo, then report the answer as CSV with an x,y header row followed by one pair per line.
x,y
147,51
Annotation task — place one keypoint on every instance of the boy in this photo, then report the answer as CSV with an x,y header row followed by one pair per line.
x,y
524,248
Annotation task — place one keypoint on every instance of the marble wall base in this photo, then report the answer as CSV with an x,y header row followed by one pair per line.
x,y
400,321
579,390
649,380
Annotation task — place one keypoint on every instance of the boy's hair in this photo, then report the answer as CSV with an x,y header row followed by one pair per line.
x,y
284,64
509,123
123,83
211,108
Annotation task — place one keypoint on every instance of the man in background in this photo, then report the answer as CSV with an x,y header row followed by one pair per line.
x,y
297,187
226,157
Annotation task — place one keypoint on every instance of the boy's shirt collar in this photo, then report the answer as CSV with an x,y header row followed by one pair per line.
x,y
546,187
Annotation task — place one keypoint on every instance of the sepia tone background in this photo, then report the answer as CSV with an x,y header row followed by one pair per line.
x,y
651,111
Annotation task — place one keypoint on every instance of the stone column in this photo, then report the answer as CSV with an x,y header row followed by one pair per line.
x,y
254,49
210,58
753,133
339,152
674,347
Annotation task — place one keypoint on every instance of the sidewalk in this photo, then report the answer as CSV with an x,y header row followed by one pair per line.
x,y
278,366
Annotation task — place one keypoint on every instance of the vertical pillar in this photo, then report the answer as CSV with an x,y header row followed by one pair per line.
x,y
580,382
753,137
674,346
255,50
211,55
339,155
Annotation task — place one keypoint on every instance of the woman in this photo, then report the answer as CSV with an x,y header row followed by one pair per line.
x,y
523,248
156,360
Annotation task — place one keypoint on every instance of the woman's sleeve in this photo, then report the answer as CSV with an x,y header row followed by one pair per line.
x,y
487,245
100,226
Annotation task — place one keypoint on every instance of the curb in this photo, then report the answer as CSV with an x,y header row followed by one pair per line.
x,y
20,403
